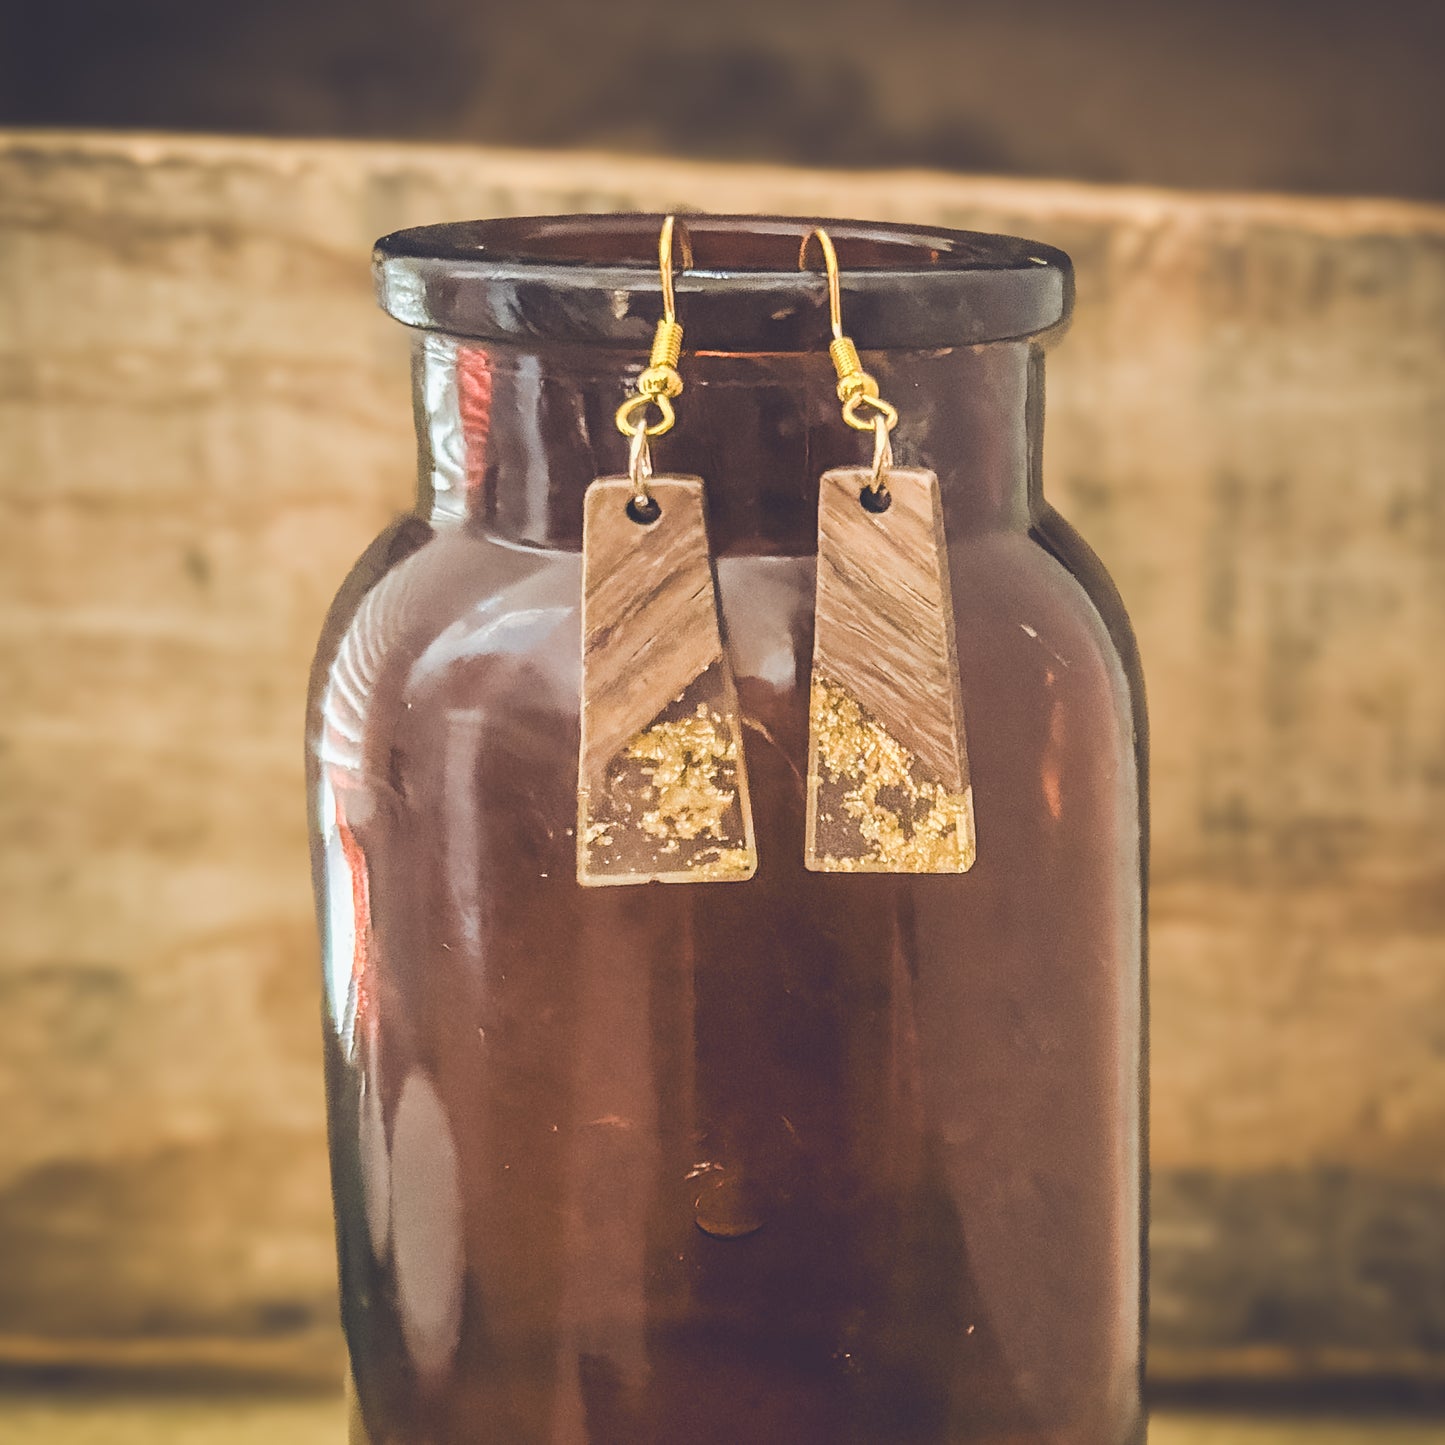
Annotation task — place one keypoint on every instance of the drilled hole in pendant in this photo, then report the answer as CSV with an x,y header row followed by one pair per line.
x,y
876,501
644,510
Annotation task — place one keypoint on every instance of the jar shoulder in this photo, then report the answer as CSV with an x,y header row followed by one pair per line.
x,y
423,600
1101,605
1039,609
438,616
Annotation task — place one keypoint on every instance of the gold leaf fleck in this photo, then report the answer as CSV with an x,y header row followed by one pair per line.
x,y
905,821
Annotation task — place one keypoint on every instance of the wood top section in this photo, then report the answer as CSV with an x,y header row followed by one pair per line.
x,y
885,614
649,611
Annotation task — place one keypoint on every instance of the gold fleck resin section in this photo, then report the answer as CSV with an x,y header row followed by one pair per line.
x,y
872,808
691,767
672,806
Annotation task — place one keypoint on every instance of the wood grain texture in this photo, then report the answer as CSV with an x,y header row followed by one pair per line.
x,y
205,420
883,627
662,788
649,612
888,784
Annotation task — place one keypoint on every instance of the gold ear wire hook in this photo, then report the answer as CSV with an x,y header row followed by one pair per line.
x,y
664,262
857,390
830,265
660,381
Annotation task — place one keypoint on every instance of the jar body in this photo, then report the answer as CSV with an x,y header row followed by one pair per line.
x,y
928,1086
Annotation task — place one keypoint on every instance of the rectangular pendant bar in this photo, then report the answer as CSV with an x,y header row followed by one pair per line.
x,y
662,792
888,785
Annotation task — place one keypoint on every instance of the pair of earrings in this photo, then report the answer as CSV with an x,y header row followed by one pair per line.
x,y
662,779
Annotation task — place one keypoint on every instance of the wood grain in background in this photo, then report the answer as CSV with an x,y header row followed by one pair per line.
x,y
205,420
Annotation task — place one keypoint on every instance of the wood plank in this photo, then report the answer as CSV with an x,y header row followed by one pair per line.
x,y
204,422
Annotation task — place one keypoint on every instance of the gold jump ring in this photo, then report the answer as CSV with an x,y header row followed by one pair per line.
x,y
628,421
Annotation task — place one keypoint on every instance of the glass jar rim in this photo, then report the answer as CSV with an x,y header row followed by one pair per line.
x,y
591,279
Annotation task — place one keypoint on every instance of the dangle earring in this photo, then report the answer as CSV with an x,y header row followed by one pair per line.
x,y
888,787
662,788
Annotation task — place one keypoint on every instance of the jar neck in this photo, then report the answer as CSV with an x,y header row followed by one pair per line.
x,y
511,438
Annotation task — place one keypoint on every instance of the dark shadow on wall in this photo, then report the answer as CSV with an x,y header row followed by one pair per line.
x,y
1331,97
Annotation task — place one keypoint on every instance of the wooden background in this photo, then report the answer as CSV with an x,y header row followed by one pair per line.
x,y
202,421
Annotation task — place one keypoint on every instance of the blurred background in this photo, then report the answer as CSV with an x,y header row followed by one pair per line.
x,y
1331,97
203,420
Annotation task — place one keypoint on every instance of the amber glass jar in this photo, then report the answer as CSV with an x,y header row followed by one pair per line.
x,y
806,1160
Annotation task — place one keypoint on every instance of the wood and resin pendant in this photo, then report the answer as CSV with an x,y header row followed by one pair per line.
x,y
888,786
662,793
